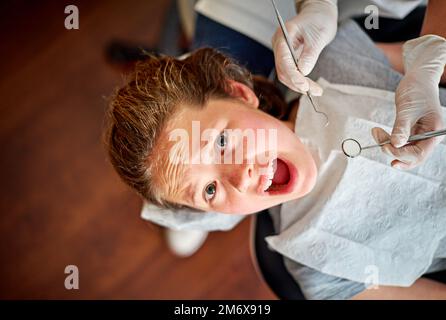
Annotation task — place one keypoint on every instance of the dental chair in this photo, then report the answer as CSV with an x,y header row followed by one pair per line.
x,y
269,264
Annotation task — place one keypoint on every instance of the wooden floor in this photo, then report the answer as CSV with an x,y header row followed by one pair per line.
x,y
60,201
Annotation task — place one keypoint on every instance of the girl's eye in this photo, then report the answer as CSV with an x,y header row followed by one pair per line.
x,y
222,140
209,191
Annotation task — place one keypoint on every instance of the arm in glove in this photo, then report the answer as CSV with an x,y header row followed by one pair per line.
x,y
313,27
417,102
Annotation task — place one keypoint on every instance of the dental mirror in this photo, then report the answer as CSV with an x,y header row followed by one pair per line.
x,y
352,148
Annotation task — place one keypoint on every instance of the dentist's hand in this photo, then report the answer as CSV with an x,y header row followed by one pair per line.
x,y
310,31
417,102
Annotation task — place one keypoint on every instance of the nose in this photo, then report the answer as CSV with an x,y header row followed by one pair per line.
x,y
241,176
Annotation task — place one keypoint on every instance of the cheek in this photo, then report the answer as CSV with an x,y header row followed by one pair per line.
x,y
245,205
253,119
308,169
267,132
288,142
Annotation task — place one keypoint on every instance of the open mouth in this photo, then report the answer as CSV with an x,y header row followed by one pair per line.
x,y
280,179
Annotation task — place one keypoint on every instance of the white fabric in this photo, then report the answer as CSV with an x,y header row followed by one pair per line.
x,y
362,213
256,18
186,219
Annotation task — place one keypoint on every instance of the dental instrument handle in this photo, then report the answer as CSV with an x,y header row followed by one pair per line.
x,y
286,35
293,54
427,135
417,137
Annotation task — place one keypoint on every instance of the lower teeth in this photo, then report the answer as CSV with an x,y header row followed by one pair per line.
x,y
275,187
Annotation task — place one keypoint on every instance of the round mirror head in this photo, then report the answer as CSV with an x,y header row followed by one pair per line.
x,y
351,148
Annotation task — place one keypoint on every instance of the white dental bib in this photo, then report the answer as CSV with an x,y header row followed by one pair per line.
x,y
363,213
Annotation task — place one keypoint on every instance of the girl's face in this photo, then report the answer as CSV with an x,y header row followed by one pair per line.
x,y
226,173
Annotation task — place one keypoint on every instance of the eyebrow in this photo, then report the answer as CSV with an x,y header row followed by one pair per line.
x,y
192,195
203,145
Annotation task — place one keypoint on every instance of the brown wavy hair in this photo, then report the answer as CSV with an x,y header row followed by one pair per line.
x,y
139,112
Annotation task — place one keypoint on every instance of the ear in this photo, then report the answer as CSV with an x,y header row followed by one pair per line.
x,y
243,92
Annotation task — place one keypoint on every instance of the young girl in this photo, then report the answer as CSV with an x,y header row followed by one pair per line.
x,y
167,94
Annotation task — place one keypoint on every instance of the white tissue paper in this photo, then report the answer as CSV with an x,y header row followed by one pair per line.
x,y
363,213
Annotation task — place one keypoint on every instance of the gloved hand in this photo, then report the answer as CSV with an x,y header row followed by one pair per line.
x,y
313,27
417,102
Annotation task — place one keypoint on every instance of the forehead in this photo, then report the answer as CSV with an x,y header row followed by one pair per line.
x,y
183,186
182,138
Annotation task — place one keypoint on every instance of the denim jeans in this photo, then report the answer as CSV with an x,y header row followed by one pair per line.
x,y
257,58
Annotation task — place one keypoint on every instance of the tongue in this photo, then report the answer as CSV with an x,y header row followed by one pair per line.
x,y
282,175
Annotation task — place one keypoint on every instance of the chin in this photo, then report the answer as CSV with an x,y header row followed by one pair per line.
x,y
310,181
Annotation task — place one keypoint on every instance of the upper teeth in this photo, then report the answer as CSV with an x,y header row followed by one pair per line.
x,y
270,170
